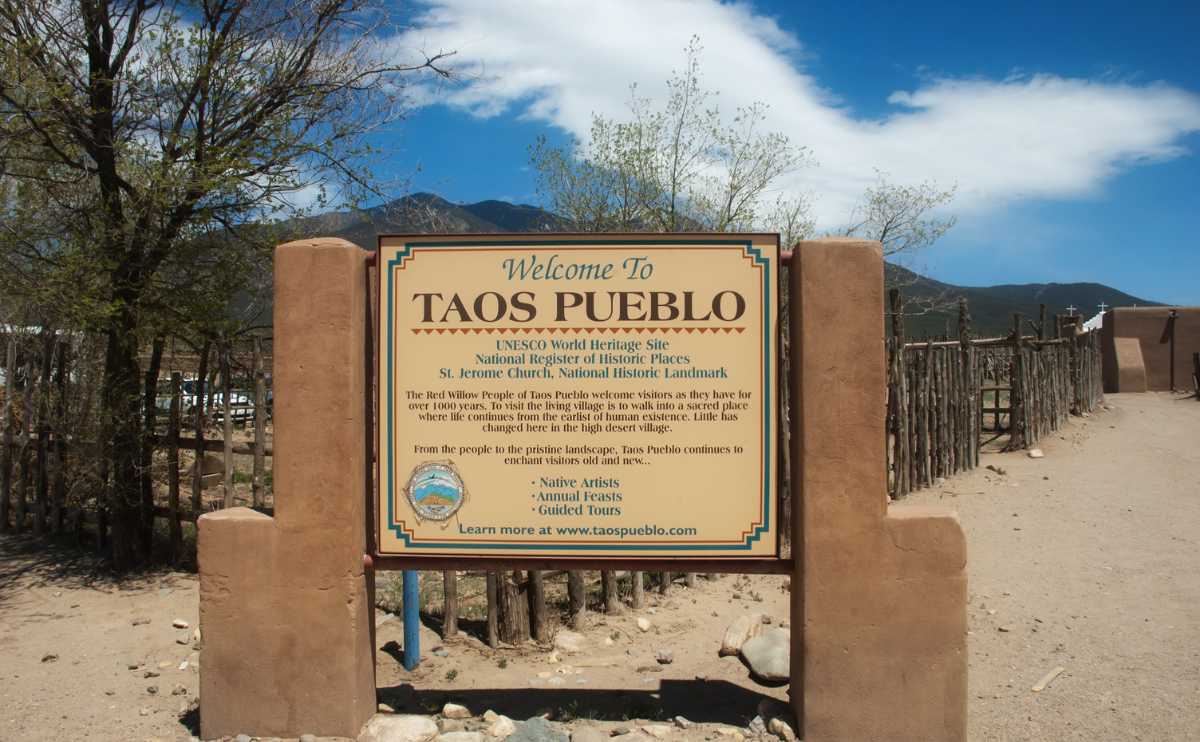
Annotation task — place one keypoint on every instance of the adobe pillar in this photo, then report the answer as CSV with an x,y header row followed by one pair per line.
x,y
285,606
879,591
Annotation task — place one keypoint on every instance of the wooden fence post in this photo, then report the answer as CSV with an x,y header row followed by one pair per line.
x,y
1016,391
10,372
22,508
41,510
260,423
538,625
493,608
176,531
201,409
608,587
227,424
576,598
450,608
59,449
639,589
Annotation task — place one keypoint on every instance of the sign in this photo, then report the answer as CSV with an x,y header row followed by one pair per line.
x,y
598,396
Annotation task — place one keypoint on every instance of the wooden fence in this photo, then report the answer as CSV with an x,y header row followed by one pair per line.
x,y
942,394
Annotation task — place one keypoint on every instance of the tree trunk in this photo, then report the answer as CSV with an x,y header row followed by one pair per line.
x,y
576,598
122,433
450,611
664,582
514,609
146,462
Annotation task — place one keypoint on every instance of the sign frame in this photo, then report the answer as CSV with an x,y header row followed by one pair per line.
x,y
753,564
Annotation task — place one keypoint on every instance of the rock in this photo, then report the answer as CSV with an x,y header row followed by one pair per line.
x,y
179,623
242,738
399,728
308,738
49,657
769,655
456,711
144,711
490,716
730,732
502,728
757,726
196,635
451,725
152,690
537,729
781,729
658,731
179,690
1035,453
383,708
743,629
140,621
150,674
643,624
569,642
682,722
461,737
588,734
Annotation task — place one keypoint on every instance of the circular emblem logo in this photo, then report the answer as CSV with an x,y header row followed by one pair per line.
x,y
435,490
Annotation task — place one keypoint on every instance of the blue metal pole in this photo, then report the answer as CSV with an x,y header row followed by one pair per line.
x,y
412,619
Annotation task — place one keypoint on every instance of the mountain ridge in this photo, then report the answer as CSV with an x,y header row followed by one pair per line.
x,y
990,307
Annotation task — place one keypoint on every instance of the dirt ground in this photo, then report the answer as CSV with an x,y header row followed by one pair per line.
x,y
1085,559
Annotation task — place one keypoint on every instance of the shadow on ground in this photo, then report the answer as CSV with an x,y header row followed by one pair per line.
x,y
27,561
701,701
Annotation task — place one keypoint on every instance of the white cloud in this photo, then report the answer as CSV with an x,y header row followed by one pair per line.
x,y
1030,136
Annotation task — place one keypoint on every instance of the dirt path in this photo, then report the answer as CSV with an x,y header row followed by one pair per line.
x,y
1085,559
1088,559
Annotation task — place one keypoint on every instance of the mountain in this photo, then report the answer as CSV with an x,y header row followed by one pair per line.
x,y
930,304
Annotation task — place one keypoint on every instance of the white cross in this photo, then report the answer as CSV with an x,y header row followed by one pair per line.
x,y
1103,306
1071,310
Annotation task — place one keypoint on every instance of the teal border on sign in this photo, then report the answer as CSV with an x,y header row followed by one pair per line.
x,y
768,418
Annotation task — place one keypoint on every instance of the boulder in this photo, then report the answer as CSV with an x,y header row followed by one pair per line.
x,y
502,727
461,737
537,729
768,655
399,728
455,711
743,629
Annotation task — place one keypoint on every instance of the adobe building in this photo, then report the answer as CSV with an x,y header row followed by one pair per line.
x,y
1148,348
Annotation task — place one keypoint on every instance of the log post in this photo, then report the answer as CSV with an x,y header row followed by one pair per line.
x,y
450,604
260,427
639,589
6,455
577,599
227,423
493,609
539,627
612,598
173,420
200,408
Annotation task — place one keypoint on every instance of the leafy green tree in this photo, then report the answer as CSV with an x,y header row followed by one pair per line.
x,y
154,132
679,167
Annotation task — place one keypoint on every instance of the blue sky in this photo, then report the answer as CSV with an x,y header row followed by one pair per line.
x,y
1071,132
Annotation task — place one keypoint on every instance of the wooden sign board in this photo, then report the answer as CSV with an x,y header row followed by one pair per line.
x,y
580,396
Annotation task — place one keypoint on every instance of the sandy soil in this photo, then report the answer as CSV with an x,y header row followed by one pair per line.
x,y
1085,559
